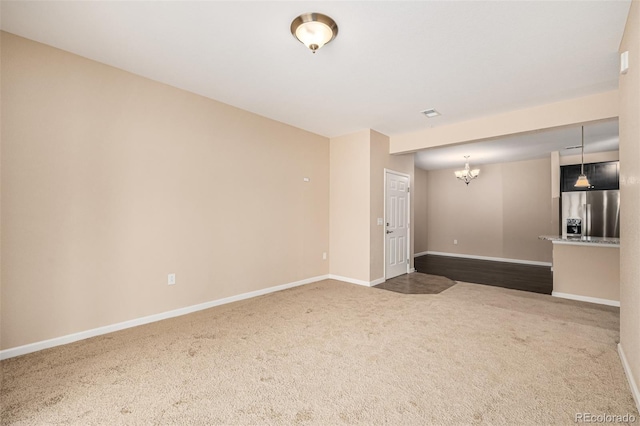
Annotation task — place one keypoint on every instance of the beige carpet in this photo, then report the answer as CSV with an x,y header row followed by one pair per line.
x,y
336,353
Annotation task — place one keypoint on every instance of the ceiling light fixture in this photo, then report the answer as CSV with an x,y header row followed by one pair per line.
x,y
314,30
467,175
582,181
430,112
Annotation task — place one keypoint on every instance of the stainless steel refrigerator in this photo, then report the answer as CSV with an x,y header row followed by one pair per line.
x,y
597,214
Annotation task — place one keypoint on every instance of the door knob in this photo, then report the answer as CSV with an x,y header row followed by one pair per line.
x,y
389,232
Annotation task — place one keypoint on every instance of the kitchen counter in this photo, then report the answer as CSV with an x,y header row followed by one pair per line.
x,y
580,241
586,269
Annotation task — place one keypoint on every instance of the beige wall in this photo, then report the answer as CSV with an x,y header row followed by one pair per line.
x,y
598,275
111,181
358,161
350,176
1,174
601,106
630,197
420,211
526,202
500,214
555,193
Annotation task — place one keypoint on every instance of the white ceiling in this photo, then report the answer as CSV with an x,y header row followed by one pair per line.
x,y
391,59
598,137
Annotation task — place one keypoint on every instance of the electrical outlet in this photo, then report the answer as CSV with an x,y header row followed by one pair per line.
x,y
455,242
324,256
171,279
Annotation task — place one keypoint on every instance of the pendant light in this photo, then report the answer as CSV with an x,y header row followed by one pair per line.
x,y
582,181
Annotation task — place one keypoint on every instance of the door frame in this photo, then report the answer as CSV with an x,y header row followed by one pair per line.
x,y
384,218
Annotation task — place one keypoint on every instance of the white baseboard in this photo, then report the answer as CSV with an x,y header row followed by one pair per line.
x,y
376,282
495,259
356,281
586,299
422,253
362,282
349,280
70,338
632,381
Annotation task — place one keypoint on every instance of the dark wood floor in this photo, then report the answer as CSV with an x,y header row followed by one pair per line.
x,y
538,279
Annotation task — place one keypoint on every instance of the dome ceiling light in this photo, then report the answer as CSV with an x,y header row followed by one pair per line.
x,y
314,30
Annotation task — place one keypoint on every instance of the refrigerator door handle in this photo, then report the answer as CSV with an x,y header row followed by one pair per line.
x,y
587,219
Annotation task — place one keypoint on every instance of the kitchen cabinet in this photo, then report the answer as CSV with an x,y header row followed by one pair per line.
x,y
601,176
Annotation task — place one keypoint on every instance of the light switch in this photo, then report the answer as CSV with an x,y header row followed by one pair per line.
x,y
380,221
624,62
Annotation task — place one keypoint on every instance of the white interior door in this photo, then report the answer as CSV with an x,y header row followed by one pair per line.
x,y
397,226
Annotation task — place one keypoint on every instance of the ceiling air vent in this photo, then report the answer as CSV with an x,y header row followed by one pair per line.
x,y
430,112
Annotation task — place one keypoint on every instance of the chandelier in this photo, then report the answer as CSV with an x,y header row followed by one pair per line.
x,y
467,175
